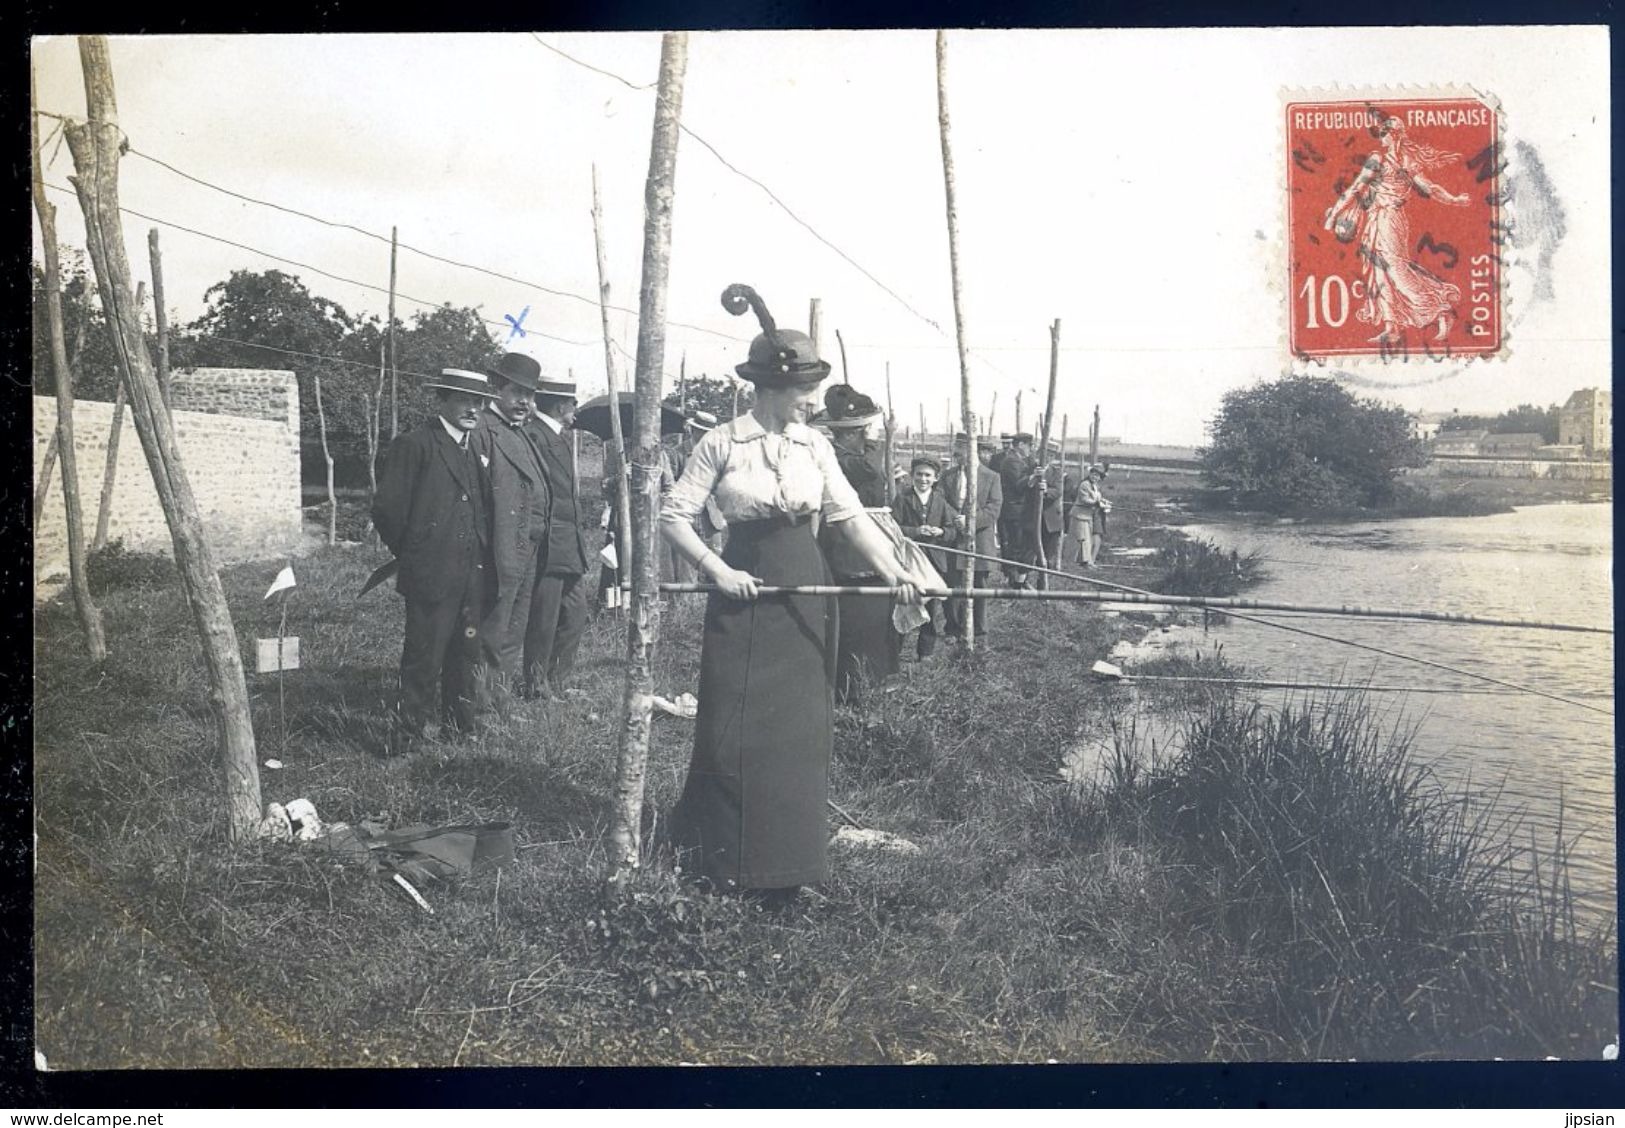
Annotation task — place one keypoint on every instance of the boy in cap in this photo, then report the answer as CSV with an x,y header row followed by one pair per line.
x,y
431,511
558,609
521,508
926,517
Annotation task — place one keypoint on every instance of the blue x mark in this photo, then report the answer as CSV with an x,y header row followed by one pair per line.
x,y
518,329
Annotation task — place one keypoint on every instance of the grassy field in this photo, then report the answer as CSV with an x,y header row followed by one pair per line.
x,y
1275,887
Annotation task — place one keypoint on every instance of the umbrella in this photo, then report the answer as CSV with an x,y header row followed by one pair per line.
x,y
593,417
379,574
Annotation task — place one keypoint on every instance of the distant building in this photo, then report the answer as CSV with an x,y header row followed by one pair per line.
x,y
1458,443
1587,421
1425,424
1514,444
1558,452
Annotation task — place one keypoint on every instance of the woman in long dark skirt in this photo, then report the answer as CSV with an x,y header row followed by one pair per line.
x,y
752,814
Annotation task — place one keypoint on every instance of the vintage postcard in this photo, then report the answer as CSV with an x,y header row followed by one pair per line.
x,y
823,548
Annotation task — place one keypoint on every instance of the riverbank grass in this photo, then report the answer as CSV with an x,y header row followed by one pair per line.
x,y
1273,887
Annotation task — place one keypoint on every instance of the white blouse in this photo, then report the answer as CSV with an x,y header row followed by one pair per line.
x,y
751,473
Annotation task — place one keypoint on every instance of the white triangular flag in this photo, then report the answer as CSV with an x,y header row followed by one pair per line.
x,y
609,557
284,580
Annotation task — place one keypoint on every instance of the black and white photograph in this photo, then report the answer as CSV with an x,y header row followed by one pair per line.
x,y
822,548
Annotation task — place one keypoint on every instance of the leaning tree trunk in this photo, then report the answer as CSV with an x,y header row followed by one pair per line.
x,y
643,624
327,456
95,147
90,619
104,512
972,462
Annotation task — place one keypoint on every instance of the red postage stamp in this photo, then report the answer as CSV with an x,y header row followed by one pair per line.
x,y
1394,228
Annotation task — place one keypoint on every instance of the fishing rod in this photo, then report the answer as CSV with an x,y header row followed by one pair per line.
x,y
1220,603
1278,625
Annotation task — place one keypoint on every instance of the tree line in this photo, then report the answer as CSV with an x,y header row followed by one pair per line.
x,y
256,319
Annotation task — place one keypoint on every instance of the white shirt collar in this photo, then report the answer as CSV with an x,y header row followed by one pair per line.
x,y
553,424
746,428
458,435
924,497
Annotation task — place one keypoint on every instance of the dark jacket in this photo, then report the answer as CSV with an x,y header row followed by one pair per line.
x,y
937,511
521,502
862,469
1054,496
989,505
566,545
1015,473
430,510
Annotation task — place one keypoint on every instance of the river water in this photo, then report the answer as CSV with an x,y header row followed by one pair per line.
x,y
1548,562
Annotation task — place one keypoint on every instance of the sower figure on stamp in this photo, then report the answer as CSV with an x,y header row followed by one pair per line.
x,y
521,506
980,539
1400,293
1017,534
925,516
869,649
431,510
558,609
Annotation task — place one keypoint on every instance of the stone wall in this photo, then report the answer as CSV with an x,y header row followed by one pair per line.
x,y
1516,468
239,444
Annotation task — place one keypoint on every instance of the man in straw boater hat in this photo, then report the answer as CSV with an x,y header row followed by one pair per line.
x,y
431,510
1017,534
983,539
558,609
926,516
521,512
869,650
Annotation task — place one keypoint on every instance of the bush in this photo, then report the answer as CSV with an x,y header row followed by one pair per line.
x,y
1200,567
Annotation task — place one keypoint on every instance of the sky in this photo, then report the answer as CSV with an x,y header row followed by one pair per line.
x,y
1128,183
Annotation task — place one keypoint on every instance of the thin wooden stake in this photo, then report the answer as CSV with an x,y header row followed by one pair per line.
x,y
643,624
95,146
1094,438
623,526
332,498
1043,433
160,319
891,439
90,619
972,463
992,410
815,310
389,342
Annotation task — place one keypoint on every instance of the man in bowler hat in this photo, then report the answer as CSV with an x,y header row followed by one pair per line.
x,y
521,509
558,608
430,509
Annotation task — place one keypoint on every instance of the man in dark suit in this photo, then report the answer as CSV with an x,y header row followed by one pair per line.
x,y
926,517
1051,496
431,510
1017,532
521,506
983,539
558,608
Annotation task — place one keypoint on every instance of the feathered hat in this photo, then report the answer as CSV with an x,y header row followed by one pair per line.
x,y
779,358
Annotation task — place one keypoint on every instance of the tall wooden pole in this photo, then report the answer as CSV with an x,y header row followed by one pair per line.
x,y
332,498
90,619
815,319
643,624
1043,432
972,463
1065,512
736,398
160,318
623,526
389,343
104,511
1018,411
1094,438
682,385
95,147
992,410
